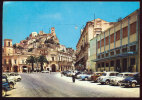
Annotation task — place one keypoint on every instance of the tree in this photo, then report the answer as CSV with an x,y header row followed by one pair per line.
x,y
31,60
42,59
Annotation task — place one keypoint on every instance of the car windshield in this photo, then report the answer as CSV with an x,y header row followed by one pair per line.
x,y
104,74
119,75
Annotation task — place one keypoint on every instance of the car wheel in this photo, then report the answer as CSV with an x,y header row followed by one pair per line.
x,y
133,85
85,79
3,93
119,84
11,85
19,79
107,82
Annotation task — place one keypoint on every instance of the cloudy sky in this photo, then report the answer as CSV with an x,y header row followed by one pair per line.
x,y
20,18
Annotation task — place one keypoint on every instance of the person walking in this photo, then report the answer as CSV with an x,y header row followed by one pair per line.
x,y
73,77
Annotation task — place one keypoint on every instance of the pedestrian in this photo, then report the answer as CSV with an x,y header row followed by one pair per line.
x,y
73,77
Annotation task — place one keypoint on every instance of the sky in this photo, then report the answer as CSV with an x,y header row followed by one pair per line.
x,y
21,18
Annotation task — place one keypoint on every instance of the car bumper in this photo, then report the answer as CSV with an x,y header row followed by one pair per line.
x,y
125,84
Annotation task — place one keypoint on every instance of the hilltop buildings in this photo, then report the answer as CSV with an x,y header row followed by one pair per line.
x,y
59,57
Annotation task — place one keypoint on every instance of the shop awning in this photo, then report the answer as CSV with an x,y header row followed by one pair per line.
x,y
116,56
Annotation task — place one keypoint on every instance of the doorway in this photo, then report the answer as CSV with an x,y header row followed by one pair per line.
x,y
124,65
53,68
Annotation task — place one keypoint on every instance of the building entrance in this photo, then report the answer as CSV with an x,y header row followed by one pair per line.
x,y
118,68
53,68
25,69
15,68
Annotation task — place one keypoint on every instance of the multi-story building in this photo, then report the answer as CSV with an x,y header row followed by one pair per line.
x,y
118,47
58,56
83,46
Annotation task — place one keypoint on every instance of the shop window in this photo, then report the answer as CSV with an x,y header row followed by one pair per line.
x,y
133,28
107,64
124,50
102,64
125,32
118,35
133,48
99,66
107,40
117,51
112,38
112,53
132,61
112,63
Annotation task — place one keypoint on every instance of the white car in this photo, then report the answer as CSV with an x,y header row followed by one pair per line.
x,y
117,80
16,76
106,76
45,71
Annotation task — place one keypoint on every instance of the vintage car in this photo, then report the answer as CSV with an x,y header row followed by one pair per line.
x,y
45,71
117,80
85,76
131,81
16,75
5,86
106,76
10,81
95,76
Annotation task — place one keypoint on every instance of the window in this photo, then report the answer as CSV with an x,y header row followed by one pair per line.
x,y
117,51
124,50
112,74
15,61
106,54
118,35
133,28
99,57
9,61
133,48
102,42
107,40
98,44
8,43
112,63
102,55
112,53
52,58
125,32
22,61
112,38
4,61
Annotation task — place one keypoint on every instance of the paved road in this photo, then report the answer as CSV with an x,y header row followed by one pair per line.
x,y
53,85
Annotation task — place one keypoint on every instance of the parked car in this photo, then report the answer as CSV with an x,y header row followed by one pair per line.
x,y
65,72
5,86
131,81
10,81
105,78
78,76
117,80
45,71
95,76
16,75
10,76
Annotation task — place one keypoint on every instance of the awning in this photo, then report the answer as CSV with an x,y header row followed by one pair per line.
x,y
116,56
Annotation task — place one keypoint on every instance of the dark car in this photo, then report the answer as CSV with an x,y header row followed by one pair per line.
x,y
5,86
131,81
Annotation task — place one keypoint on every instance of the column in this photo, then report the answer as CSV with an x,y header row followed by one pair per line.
x,y
128,62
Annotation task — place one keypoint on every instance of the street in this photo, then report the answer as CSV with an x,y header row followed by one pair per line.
x,y
53,85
